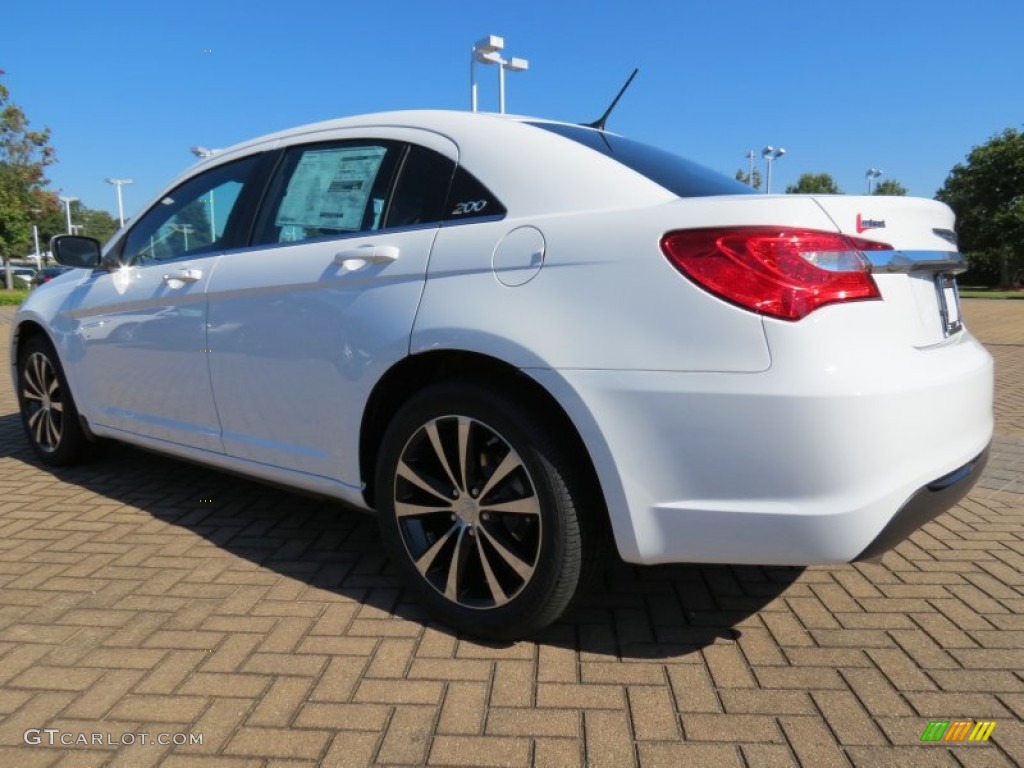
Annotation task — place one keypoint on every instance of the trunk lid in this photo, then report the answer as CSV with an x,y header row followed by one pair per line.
x,y
917,274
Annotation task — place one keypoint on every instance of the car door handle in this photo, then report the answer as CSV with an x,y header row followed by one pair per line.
x,y
357,258
184,276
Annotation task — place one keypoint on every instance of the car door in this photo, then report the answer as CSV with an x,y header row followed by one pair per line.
x,y
141,327
303,323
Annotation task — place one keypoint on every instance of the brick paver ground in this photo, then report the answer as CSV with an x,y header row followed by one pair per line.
x,y
143,595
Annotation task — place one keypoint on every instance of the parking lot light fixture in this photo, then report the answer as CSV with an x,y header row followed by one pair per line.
x,y
872,174
512,65
68,200
485,51
120,202
770,154
185,230
35,239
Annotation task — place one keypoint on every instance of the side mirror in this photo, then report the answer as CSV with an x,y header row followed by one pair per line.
x,y
76,251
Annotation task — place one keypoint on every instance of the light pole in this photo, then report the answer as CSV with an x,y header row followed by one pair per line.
x,y
185,229
514,65
67,207
488,51
120,202
203,152
35,239
485,51
36,213
872,174
769,154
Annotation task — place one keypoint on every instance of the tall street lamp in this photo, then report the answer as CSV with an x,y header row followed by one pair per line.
x,y
769,154
488,51
36,213
513,65
35,239
485,51
184,229
120,202
67,207
872,174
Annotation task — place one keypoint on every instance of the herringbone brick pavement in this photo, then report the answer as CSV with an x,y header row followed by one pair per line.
x,y
143,595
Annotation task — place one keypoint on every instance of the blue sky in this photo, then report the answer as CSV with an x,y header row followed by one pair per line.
x,y
907,87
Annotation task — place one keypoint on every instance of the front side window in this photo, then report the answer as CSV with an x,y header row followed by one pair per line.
x,y
192,219
328,190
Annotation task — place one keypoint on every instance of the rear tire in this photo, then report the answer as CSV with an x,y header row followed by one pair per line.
x,y
479,507
48,411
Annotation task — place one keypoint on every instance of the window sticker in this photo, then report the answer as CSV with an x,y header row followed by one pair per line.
x,y
330,188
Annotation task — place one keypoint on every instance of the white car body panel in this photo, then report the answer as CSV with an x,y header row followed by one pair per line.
x,y
670,325
803,463
717,435
295,336
130,393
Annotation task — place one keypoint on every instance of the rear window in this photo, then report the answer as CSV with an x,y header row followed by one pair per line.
x,y
676,174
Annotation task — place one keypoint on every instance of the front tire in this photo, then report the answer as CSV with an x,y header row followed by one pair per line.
x,y
48,411
478,505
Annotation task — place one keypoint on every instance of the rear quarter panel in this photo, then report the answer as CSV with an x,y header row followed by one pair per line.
x,y
605,297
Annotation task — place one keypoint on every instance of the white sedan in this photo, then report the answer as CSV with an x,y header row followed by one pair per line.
x,y
515,339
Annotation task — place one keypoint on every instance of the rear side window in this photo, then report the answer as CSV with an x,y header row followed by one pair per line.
x,y
328,190
676,174
422,187
469,199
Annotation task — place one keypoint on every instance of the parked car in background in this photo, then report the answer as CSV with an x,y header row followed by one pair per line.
x,y
507,336
21,276
46,274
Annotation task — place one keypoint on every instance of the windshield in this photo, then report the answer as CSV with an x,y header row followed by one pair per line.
x,y
676,174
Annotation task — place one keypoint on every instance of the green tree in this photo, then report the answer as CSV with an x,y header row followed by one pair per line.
x,y
987,195
890,187
51,221
195,216
93,223
814,183
24,155
746,178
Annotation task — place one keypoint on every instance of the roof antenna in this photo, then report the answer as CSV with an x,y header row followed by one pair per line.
x,y
600,122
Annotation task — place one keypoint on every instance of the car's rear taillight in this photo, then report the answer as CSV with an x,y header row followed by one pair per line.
x,y
778,271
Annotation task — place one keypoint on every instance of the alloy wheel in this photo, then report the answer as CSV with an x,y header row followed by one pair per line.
x,y
468,512
44,404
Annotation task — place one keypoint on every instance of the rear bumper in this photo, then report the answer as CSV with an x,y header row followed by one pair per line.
x,y
926,504
814,461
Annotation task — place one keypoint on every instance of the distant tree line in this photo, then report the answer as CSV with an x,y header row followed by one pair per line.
x,y
821,184
25,197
